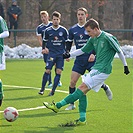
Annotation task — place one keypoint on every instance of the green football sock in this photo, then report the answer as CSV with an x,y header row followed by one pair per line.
x,y
70,98
82,107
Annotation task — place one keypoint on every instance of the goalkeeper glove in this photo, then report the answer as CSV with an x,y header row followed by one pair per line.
x,y
66,55
126,70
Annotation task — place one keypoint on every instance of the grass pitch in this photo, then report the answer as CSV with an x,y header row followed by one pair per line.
x,y
22,81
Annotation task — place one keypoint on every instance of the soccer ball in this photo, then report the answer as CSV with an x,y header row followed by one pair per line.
x,y
10,114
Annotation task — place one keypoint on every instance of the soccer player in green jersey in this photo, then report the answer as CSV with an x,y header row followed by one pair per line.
x,y
105,46
3,33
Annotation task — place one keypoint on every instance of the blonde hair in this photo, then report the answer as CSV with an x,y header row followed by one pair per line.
x,y
83,9
44,12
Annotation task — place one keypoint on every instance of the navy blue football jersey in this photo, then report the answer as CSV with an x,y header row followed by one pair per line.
x,y
41,28
56,39
79,35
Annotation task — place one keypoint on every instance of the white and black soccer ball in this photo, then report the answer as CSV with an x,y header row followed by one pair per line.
x,y
11,114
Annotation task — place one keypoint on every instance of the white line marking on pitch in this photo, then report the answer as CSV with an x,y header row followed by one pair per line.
x,y
14,86
27,109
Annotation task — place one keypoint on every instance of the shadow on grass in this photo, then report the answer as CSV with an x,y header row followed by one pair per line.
x,y
14,89
5,125
26,98
22,98
51,130
62,112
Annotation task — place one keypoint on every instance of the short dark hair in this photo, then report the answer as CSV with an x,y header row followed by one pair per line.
x,y
92,23
82,9
56,14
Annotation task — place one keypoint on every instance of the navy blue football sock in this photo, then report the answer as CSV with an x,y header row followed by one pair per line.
x,y
49,79
104,87
44,81
71,90
56,81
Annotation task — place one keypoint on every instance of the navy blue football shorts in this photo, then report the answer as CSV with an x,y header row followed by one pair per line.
x,y
45,56
52,60
80,66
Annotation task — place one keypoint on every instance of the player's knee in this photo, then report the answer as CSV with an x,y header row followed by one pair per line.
x,y
48,71
72,83
58,71
84,88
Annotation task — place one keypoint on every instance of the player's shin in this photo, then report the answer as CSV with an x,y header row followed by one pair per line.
x,y
82,108
70,98
56,81
49,79
71,91
44,81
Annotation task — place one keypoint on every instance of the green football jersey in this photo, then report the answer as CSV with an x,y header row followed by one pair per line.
x,y
3,27
105,47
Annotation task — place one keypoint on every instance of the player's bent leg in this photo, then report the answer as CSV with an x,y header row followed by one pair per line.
x,y
82,90
108,91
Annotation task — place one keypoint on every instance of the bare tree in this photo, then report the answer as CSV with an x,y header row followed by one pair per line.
x,y
101,4
127,17
73,9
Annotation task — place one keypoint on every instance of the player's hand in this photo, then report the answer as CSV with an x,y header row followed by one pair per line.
x,y
66,55
45,51
126,70
91,58
67,59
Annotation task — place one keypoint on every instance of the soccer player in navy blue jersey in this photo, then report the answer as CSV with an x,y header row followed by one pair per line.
x,y
79,36
55,38
39,32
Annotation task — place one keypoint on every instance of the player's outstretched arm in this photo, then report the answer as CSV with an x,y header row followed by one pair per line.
x,y
122,57
73,54
76,53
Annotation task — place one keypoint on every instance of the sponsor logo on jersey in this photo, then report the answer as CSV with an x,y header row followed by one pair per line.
x,y
56,38
102,44
60,34
75,33
81,36
50,34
